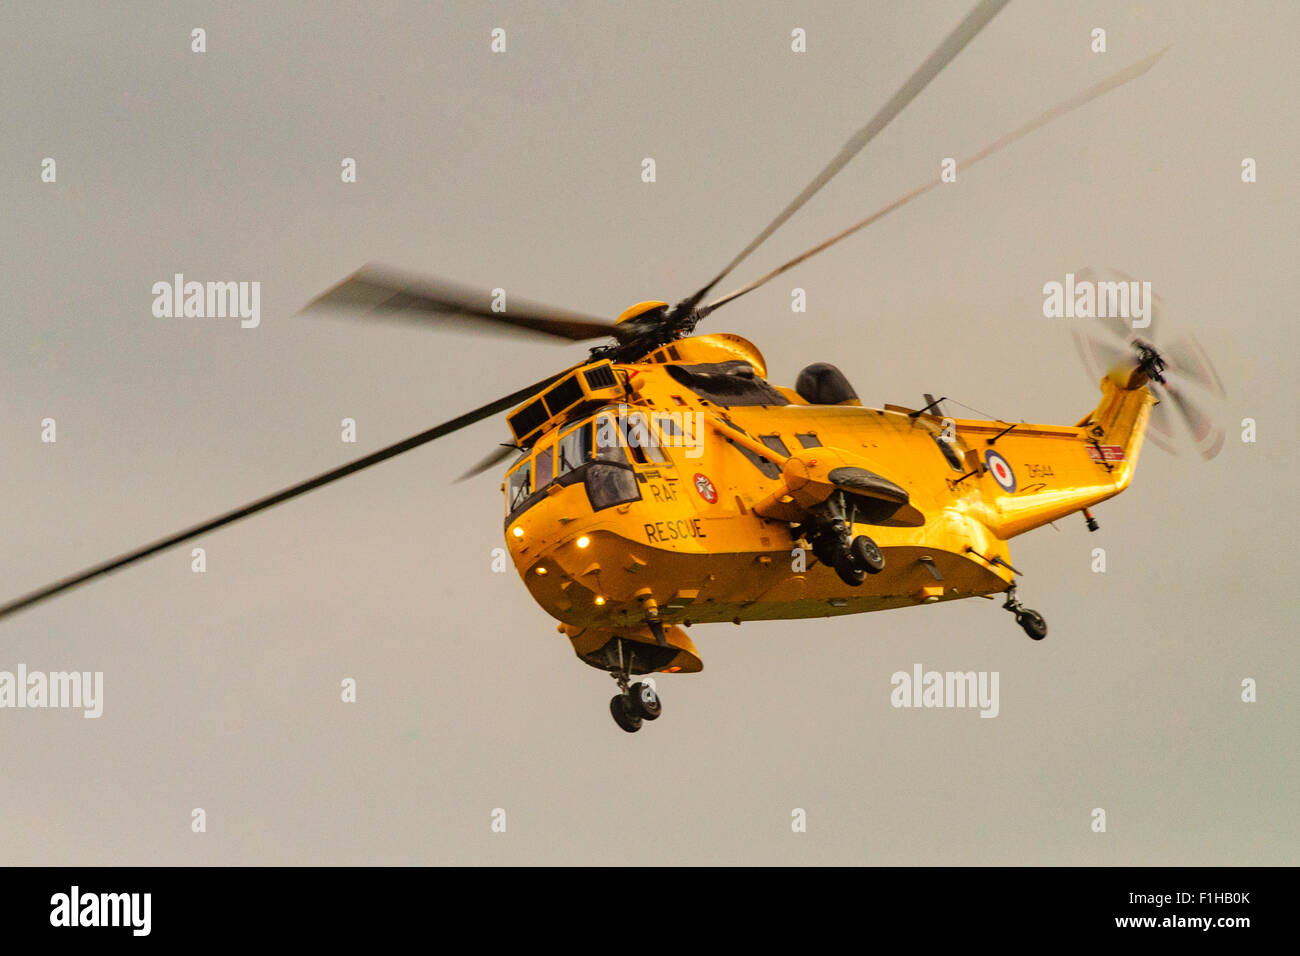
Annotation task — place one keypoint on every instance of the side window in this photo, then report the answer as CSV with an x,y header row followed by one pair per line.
x,y
774,442
519,485
609,447
641,441
669,426
809,440
542,473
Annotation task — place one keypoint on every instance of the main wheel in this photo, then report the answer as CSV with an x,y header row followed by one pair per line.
x,y
1033,624
848,570
867,555
622,713
644,701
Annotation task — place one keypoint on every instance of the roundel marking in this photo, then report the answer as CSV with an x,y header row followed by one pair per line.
x,y
1000,470
704,488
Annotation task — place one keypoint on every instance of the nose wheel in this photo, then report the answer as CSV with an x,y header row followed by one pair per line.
x,y
1030,621
638,703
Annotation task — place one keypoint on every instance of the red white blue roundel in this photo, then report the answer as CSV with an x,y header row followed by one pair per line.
x,y
1000,470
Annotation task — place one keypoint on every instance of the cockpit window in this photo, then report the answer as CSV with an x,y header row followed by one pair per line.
x,y
595,453
542,467
573,450
519,485
609,446
610,479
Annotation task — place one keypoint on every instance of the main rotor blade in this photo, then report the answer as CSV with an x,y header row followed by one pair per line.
x,y
293,491
965,31
375,289
490,460
1118,79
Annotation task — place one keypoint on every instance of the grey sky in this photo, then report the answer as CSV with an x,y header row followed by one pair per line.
x,y
522,170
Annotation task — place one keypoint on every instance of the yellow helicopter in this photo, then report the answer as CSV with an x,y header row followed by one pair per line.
x,y
664,482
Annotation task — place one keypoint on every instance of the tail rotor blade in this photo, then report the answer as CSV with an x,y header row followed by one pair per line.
x,y
1098,356
1206,432
1186,357
1160,427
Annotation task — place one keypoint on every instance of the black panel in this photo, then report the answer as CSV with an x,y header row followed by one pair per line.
x,y
563,395
727,383
600,377
531,416
867,482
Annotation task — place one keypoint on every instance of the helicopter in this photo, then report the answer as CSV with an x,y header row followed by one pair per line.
x,y
663,482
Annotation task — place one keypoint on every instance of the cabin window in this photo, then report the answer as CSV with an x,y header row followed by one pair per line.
x,y
950,453
519,485
774,442
809,440
769,468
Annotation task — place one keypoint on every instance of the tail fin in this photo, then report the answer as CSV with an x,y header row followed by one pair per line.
x,y
1046,472
1116,427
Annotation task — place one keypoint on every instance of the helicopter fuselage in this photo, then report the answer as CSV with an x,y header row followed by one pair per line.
x,y
703,523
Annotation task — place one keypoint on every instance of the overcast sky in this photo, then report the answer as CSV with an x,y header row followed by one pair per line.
x,y
522,170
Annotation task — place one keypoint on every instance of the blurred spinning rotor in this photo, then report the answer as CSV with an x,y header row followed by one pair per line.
x,y
1108,341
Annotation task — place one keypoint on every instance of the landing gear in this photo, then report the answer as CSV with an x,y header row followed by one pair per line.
x,y
867,555
1033,624
621,710
635,702
645,701
1030,621
848,570
829,533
